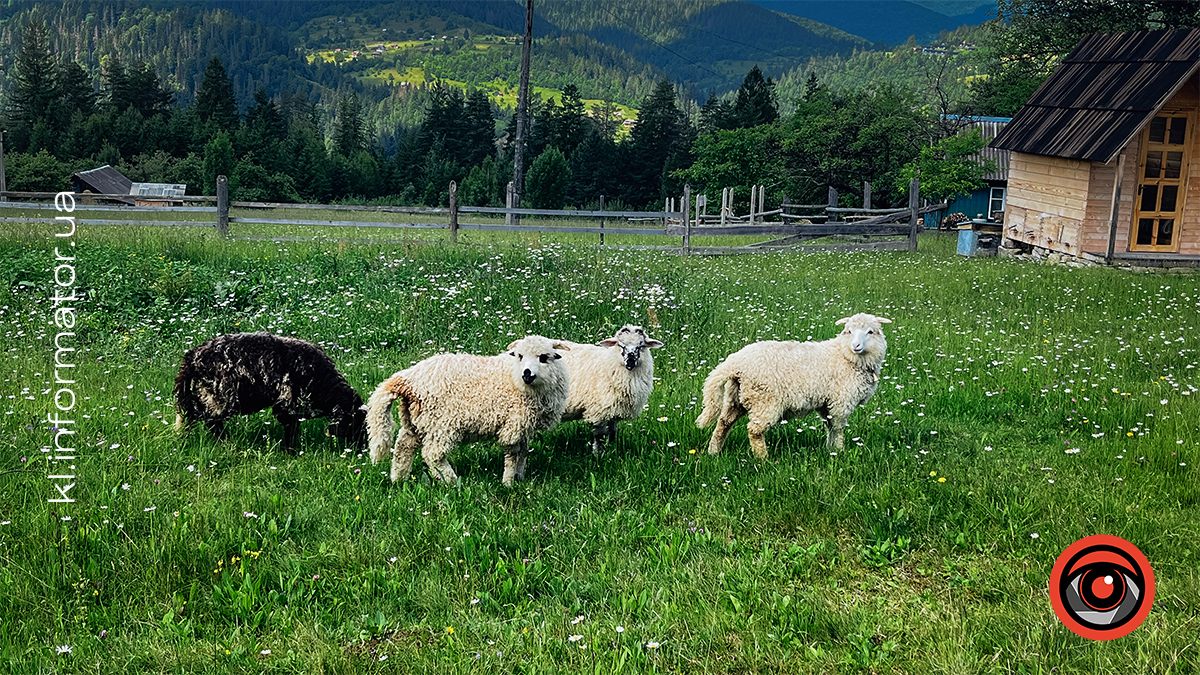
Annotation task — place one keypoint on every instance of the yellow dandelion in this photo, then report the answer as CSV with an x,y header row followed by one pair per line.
x,y
692,451
932,473
1129,433
449,630
942,479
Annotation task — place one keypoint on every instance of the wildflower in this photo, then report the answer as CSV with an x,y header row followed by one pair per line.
x,y
63,649
576,620
932,474
265,652
662,419
692,451
652,645
475,601
449,630
383,657
575,638
1033,536
249,514
942,479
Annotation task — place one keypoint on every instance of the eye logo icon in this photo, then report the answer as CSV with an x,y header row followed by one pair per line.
x,y
1102,587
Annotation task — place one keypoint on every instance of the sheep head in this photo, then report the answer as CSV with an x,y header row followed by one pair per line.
x,y
350,426
863,334
631,340
536,361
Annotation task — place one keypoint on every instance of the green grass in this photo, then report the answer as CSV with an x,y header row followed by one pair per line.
x,y
193,555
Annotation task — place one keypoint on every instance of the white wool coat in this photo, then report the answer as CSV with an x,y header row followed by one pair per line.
x,y
601,388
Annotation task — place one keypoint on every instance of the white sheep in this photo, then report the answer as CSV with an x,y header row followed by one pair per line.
x,y
772,380
450,399
610,381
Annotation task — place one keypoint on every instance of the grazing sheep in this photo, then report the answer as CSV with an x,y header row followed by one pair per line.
x,y
610,381
776,380
450,399
243,373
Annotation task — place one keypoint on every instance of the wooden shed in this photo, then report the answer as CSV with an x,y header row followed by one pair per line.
x,y
1104,161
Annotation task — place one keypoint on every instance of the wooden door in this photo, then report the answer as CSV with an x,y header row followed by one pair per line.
x,y
1162,181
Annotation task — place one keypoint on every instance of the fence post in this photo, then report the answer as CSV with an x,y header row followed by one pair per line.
x,y
223,207
724,204
453,212
833,202
601,220
785,207
687,219
914,193
866,195
3,184
508,203
762,202
753,199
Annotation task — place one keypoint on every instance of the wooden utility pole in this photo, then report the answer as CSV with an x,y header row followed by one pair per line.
x,y
453,212
3,183
522,110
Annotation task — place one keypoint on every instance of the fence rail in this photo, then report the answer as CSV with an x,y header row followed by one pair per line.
x,y
682,218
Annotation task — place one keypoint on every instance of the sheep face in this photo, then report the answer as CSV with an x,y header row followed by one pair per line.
x,y
631,340
863,334
536,361
351,427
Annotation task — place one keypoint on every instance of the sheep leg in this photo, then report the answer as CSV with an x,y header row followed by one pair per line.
x,y
835,425
291,428
612,431
730,413
599,431
402,454
514,463
434,454
757,428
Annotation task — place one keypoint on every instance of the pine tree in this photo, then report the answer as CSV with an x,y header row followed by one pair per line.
x,y
215,101
480,128
349,136
658,128
117,93
146,91
569,121
33,98
716,115
755,101
74,91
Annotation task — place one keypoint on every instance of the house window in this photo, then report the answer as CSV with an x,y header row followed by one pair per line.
x,y
996,203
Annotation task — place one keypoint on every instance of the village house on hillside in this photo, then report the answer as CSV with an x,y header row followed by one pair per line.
x,y
1103,155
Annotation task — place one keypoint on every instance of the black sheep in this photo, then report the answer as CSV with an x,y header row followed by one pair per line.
x,y
243,373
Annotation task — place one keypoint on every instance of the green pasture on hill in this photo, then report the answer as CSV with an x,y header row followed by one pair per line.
x,y
1021,408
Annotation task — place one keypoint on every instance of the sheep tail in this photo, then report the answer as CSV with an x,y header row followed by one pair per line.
x,y
714,395
381,426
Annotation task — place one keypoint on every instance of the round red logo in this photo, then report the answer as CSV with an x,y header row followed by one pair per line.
x,y
1102,587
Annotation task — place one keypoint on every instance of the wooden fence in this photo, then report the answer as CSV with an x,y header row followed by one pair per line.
x,y
685,221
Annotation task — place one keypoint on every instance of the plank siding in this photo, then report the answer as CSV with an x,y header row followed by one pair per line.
x,y
1047,201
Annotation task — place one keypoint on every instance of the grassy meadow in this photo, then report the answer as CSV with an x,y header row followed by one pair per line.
x,y
1021,408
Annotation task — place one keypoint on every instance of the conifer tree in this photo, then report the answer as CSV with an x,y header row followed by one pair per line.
x,y
755,101
215,102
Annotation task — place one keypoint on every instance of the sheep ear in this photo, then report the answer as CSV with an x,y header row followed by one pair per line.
x,y
560,345
841,321
652,343
883,320
512,345
607,342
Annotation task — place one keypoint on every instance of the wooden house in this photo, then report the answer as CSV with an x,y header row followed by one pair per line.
x,y
1103,154
104,180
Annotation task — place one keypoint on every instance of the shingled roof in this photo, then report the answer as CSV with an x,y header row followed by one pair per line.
x,y
1103,94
